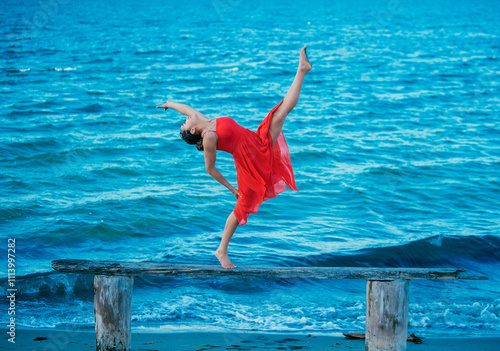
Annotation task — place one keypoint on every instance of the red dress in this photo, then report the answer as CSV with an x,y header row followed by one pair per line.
x,y
261,170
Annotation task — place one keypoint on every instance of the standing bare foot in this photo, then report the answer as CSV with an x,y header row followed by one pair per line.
x,y
224,260
304,63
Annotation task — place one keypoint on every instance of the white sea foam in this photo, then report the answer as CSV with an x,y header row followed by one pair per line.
x,y
65,69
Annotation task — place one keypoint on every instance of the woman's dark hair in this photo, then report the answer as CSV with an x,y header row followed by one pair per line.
x,y
193,139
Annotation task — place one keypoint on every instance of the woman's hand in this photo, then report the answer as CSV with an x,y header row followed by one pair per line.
x,y
235,192
164,106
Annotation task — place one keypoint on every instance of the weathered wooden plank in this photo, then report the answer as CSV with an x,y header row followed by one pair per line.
x,y
191,270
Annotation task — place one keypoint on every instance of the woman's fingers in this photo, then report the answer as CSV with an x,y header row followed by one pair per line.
x,y
236,194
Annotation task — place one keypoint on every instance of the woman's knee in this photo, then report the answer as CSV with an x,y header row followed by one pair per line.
x,y
280,114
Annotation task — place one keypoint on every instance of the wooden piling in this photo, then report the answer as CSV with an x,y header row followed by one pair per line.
x,y
113,312
387,304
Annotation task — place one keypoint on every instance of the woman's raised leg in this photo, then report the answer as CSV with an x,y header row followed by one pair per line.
x,y
221,252
291,98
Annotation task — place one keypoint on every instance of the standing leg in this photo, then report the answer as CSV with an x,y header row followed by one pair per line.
x,y
221,252
291,98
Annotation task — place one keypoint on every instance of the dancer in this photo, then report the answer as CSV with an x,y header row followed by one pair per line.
x,y
262,159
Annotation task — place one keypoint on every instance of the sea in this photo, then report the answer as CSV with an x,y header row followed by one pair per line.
x,y
394,143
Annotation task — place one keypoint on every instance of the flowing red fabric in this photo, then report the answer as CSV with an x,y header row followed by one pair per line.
x,y
261,169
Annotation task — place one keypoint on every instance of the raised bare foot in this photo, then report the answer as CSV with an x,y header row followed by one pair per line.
x,y
224,260
304,63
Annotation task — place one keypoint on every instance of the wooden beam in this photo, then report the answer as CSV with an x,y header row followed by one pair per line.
x,y
190,270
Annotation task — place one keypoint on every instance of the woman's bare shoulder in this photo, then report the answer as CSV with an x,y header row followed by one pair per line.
x,y
210,139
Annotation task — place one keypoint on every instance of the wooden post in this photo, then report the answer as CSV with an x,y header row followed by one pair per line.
x,y
387,315
113,312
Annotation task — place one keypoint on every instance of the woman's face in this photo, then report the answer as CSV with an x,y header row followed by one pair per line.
x,y
189,124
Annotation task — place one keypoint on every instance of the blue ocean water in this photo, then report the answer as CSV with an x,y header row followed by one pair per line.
x,y
394,144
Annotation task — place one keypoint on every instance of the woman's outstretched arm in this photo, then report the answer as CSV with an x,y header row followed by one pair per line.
x,y
182,108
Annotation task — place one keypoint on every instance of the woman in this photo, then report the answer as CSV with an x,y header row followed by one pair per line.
x,y
262,159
